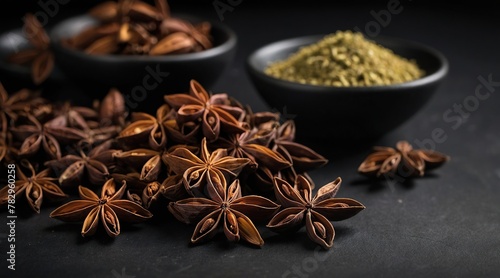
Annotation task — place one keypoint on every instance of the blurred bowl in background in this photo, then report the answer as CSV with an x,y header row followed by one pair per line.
x,y
347,115
142,79
15,77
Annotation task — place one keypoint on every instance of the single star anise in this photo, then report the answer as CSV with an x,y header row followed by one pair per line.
x,y
75,116
215,112
75,169
74,124
109,209
388,161
36,137
35,188
229,207
315,212
40,57
64,134
207,172
12,105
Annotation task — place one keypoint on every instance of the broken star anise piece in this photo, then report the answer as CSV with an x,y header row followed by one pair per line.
x,y
315,212
35,187
109,209
207,172
40,57
403,160
234,211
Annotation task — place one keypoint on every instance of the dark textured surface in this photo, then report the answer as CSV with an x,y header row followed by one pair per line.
x,y
443,225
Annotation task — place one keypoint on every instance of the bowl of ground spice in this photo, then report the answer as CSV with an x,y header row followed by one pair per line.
x,y
343,87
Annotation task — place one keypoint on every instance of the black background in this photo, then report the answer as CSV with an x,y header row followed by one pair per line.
x,y
446,224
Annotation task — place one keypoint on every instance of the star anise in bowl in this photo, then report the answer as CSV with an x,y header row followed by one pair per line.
x,y
162,52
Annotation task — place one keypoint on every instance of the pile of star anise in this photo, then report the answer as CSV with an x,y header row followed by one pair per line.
x,y
217,162
138,28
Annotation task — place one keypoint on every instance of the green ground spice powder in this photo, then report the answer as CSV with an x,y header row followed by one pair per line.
x,y
345,59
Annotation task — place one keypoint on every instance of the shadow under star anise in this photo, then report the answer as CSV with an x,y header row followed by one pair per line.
x,y
375,184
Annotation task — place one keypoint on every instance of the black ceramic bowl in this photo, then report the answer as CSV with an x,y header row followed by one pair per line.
x,y
347,114
142,79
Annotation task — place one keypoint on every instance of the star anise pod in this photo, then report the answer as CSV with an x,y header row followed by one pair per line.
x,y
145,127
109,209
136,27
134,183
303,158
12,105
315,212
7,152
173,188
197,36
150,164
151,193
260,182
185,133
94,35
388,161
76,116
254,147
229,207
121,30
62,132
74,170
215,112
40,57
105,12
262,120
205,172
75,124
36,137
35,188
112,110
138,158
